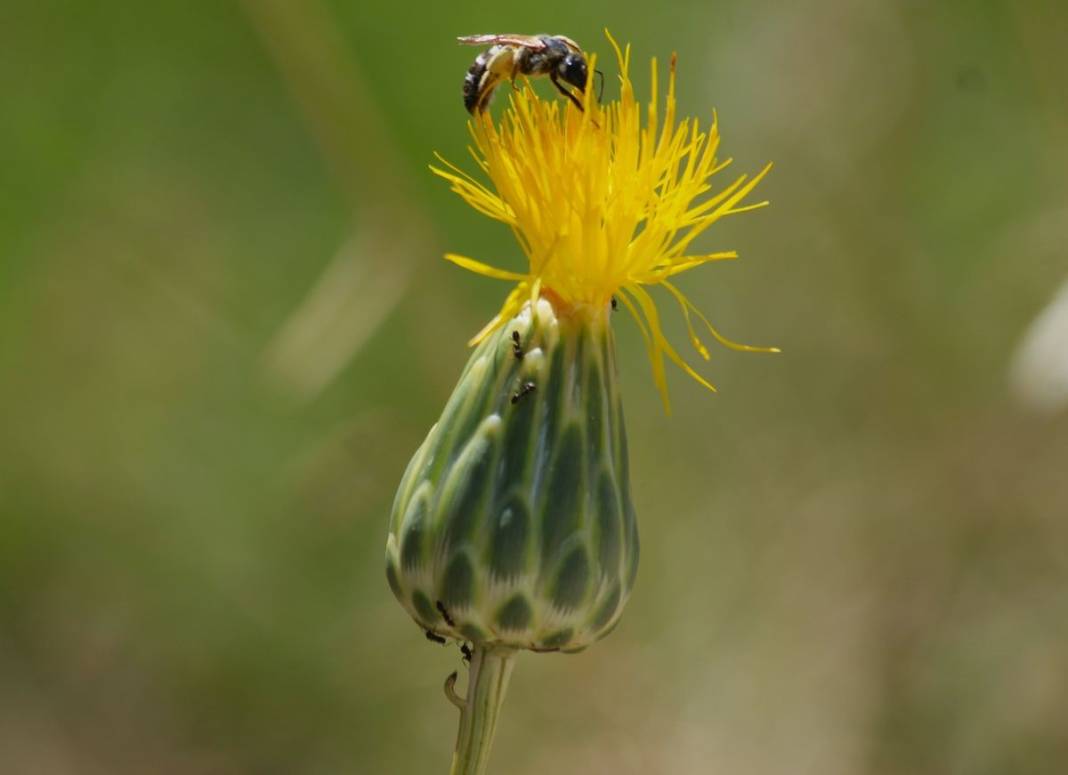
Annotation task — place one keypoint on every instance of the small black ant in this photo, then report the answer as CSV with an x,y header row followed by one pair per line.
x,y
431,635
517,349
526,387
445,614
466,651
615,303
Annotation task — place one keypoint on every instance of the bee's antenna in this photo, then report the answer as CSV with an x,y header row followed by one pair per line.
x,y
600,92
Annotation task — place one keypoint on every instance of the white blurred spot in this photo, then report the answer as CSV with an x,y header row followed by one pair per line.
x,y
1039,371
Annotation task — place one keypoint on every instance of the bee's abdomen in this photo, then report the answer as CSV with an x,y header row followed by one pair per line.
x,y
473,80
484,75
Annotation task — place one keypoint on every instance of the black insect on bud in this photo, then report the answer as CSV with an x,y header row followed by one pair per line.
x,y
526,387
445,614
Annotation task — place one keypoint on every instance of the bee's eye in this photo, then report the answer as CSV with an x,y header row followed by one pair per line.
x,y
573,70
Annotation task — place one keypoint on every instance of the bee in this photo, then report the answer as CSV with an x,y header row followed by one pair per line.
x,y
511,55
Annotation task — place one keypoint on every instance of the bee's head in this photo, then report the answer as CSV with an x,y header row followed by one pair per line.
x,y
572,69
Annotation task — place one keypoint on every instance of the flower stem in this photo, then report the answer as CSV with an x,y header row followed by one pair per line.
x,y
490,670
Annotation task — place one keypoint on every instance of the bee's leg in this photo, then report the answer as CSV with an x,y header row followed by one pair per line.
x,y
486,90
560,88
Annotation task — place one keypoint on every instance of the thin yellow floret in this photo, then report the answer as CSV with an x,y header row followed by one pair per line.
x,y
603,205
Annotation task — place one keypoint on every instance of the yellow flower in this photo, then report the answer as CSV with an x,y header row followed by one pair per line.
x,y
602,205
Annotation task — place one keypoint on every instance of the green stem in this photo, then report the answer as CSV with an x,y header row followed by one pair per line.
x,y
490,670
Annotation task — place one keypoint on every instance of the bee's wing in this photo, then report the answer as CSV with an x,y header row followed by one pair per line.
x,y
526,41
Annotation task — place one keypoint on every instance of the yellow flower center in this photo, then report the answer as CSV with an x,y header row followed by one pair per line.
x,y
602,205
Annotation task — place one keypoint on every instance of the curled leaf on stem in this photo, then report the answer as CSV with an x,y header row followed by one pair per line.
x,y
450,692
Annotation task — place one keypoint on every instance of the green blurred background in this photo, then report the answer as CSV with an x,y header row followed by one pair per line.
x,y
225,325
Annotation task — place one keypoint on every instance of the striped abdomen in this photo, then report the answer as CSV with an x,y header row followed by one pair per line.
x,y
481,79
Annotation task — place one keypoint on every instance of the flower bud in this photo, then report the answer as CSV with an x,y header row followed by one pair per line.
x,y
513,524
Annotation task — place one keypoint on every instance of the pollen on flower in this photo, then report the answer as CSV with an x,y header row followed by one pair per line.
x,y
603,204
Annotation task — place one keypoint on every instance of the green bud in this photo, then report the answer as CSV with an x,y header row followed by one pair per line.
x,y
513,524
